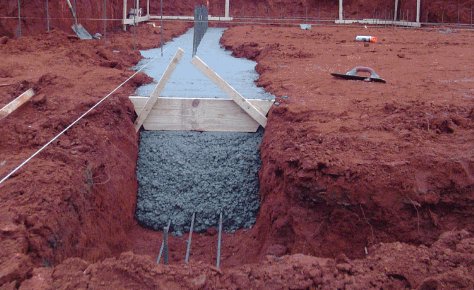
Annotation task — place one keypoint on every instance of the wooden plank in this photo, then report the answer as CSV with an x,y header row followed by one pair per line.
x,y
201,114
158,89
229,90
16,103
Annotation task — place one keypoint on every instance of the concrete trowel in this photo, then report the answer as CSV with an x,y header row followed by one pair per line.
x,y
80,31
353,75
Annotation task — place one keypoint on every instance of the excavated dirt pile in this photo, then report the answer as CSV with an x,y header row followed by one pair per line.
x,y
77,198
362,185
347,164
445,265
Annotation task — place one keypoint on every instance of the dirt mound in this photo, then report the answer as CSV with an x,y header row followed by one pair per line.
x,y
348,164
72,199
446,265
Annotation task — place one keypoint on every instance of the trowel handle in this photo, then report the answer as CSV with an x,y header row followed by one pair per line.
x,y
357,69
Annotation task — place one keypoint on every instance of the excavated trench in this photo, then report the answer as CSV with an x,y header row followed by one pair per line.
x,y
206,173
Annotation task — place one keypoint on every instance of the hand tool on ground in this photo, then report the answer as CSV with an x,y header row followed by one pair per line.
x,y
353,75
80,31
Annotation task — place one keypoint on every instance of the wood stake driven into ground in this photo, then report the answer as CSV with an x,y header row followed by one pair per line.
x,y
16,103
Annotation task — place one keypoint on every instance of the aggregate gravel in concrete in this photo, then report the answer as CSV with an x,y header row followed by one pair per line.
x,y
204,172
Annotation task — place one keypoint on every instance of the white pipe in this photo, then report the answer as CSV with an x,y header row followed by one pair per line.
x,y
341,13
227,8
395,14
418,6
147,7
124,14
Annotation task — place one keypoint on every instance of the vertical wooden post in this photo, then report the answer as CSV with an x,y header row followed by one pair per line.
x,y
418,8
227,8
395,14
341,11
124,14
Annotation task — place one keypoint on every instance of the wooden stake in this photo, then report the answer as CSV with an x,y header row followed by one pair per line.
x,y
158,89
229,90
16,103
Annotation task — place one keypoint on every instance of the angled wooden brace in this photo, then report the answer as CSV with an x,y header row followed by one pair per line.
x,y
16,103
250,109
158,89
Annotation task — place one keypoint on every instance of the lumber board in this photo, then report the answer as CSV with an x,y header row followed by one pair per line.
x,y
158,89
230,91
16,103
201,114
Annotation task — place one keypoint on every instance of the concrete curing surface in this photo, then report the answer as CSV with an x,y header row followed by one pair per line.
x,y
184,172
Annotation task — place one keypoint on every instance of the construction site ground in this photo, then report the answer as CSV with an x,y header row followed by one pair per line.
x,y
363,185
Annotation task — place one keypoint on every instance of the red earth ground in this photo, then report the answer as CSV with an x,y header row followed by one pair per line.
x,y
91,12
348,167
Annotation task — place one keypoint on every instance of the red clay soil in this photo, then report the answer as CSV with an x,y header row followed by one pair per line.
x,y
77,198
445,265
346,164
91,13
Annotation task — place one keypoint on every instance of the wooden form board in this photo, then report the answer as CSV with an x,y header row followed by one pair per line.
x,y
201,114
16,103
230,91
158,89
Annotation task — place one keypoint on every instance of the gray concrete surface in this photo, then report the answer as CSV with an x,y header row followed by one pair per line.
x,y
188,82
184,172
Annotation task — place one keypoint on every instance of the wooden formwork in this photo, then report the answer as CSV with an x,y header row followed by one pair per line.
x,y
236,114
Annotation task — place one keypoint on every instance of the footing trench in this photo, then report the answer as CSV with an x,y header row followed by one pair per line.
x,y
201,157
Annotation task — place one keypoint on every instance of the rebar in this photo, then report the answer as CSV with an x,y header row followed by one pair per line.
x,y
219,241
188,247
134,36
165,244
459,15
105,17
161,27
162,244
47,15
19,18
